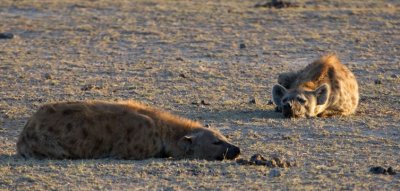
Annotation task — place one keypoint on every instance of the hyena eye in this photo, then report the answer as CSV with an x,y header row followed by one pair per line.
x,y
218,142
301,100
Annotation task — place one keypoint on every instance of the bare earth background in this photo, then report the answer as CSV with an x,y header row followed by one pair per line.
x,y
173,53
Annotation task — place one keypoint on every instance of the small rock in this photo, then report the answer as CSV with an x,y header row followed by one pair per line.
x,y
6,36
195,103
87,87
256,157
378,81
271,164
278,4
182,76
275,173
203,102
391,171
395,76
47,76
253,101
377,170
179,59
242,46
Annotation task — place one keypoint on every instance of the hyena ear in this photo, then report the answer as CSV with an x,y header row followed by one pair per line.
x,y
322,94
278,92
185,142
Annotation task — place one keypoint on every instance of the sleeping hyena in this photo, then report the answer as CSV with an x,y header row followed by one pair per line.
x,y
324,88
122,130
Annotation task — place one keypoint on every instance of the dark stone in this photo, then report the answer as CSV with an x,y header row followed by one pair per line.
x,y
179,59
378,81
242,46
278,4
47,76
203,102
377,170
6,36
182,76
391,171
253,101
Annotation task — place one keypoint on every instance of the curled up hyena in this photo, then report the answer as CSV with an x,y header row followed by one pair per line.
x,y
324,88
122,130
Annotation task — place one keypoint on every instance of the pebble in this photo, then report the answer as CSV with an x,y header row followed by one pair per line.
x,y
253,101
391,171
275,173
203,102
242,45
6,36
47,76
377,81
395,76
179,59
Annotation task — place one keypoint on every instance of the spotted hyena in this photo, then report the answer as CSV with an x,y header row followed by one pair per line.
x,y
122,130
324,88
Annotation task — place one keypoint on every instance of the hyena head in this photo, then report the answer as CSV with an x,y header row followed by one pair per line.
x,y
301,102
207,144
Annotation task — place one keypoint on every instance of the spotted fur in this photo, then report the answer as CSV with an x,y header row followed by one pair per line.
x,y
122,130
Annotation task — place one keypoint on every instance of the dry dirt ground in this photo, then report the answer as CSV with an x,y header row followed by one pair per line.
x,y
172,54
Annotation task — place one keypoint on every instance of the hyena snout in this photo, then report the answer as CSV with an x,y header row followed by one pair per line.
x,y
233,152
287,110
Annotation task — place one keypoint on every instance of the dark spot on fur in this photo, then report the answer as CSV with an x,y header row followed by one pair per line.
x,y
51,129
140,125
108,129
124,112
97,145
156,134
128,139
129,131
33,124
69,127
32,136
69,111
38,154
22,155
90,121
72,141
154,141
85,133
136,148
140,150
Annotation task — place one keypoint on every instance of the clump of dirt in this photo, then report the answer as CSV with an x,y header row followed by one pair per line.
x,y
278,4
273,162
382,170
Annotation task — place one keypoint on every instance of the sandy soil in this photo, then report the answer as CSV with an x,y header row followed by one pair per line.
x,y
173,53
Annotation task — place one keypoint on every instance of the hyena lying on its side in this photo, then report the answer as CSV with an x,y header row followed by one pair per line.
x,y
122,130
324,88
